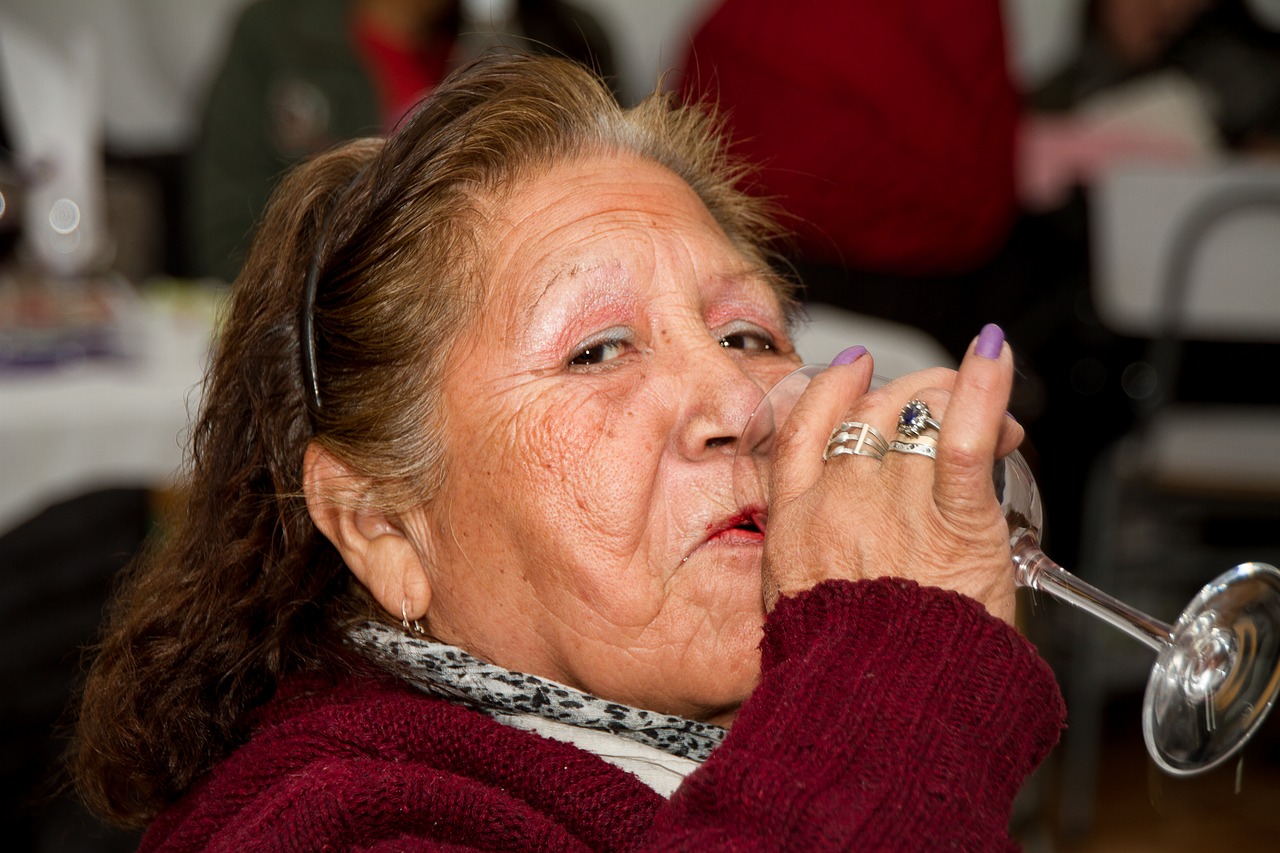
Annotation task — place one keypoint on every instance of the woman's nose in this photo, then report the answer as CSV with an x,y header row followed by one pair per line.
x,y
720,395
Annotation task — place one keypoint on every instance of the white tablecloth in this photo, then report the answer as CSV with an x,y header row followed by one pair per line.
x,y
100,424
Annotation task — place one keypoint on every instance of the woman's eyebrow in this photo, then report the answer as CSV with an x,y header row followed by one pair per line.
x,y
532,307
562,273
751,276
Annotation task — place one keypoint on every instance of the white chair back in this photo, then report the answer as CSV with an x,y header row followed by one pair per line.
x,y
1232,285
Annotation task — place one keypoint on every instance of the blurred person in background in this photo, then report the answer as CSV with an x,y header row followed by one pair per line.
x,y
301,76
1219,46
1181,82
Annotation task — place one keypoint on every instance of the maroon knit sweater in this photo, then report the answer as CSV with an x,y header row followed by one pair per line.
x,y
888,717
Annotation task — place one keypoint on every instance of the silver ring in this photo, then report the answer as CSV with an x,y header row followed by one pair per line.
x,y
915,418
854,438
861,434
920,448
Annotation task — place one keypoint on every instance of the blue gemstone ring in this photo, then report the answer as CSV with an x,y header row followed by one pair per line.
x,y
915,418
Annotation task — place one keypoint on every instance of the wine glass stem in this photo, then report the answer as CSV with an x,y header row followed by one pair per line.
x,y
1036,570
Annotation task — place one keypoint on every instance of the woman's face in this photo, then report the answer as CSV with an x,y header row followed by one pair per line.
x,y
588,531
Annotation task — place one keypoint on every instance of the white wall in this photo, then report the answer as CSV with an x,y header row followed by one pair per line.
x,y
1042,35
650,36
156,57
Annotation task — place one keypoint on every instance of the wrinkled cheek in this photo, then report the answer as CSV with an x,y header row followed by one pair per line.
x,y
591,485
595,489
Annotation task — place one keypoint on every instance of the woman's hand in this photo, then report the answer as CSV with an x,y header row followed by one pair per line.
x,y
936,522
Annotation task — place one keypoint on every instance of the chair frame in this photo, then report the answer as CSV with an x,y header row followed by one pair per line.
x,y
1121,474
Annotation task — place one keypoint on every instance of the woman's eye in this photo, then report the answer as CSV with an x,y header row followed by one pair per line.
x,y
753,340
598,353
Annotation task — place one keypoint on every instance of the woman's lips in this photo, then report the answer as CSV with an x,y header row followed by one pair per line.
x,y
747,526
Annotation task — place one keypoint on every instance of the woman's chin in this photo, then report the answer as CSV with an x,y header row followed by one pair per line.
x,y
737,552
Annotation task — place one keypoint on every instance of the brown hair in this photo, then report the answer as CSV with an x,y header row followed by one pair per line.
x,y
244,589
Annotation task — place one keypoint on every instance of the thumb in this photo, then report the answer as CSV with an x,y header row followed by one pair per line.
x,y
975,420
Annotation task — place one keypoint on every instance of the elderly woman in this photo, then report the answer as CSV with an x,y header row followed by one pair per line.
x,y
463,564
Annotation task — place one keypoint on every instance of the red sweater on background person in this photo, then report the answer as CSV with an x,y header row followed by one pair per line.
x,y
885,130
889,717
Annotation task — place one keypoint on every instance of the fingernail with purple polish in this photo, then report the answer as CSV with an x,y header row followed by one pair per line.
x,y
849,355
990,341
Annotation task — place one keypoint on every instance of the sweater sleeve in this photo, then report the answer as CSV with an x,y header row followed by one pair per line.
x,y
889,716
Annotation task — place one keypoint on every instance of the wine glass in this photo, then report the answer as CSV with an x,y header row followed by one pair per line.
x,y
1217,669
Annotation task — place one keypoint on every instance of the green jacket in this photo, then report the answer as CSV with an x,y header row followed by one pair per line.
x,y
292,85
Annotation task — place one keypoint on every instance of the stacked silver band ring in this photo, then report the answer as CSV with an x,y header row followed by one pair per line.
x,y
920,448
854,438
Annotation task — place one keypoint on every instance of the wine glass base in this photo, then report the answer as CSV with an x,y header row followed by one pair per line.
x,y
1213,685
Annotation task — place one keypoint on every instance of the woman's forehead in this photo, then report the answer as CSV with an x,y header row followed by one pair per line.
x,y
603,222
597,190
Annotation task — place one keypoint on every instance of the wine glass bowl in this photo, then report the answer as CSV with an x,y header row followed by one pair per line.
x,y
1217,669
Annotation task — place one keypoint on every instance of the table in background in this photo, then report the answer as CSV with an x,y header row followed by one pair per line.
x,y
83,447
79,427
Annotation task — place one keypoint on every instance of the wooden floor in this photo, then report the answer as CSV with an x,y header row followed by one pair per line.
x,y
1140,809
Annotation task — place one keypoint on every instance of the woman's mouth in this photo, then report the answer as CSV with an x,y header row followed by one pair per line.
x,y
747,526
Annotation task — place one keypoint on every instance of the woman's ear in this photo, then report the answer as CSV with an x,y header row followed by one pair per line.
x,y
374,544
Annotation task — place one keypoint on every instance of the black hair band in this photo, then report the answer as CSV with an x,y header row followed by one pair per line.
x,y
307,311
307,321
